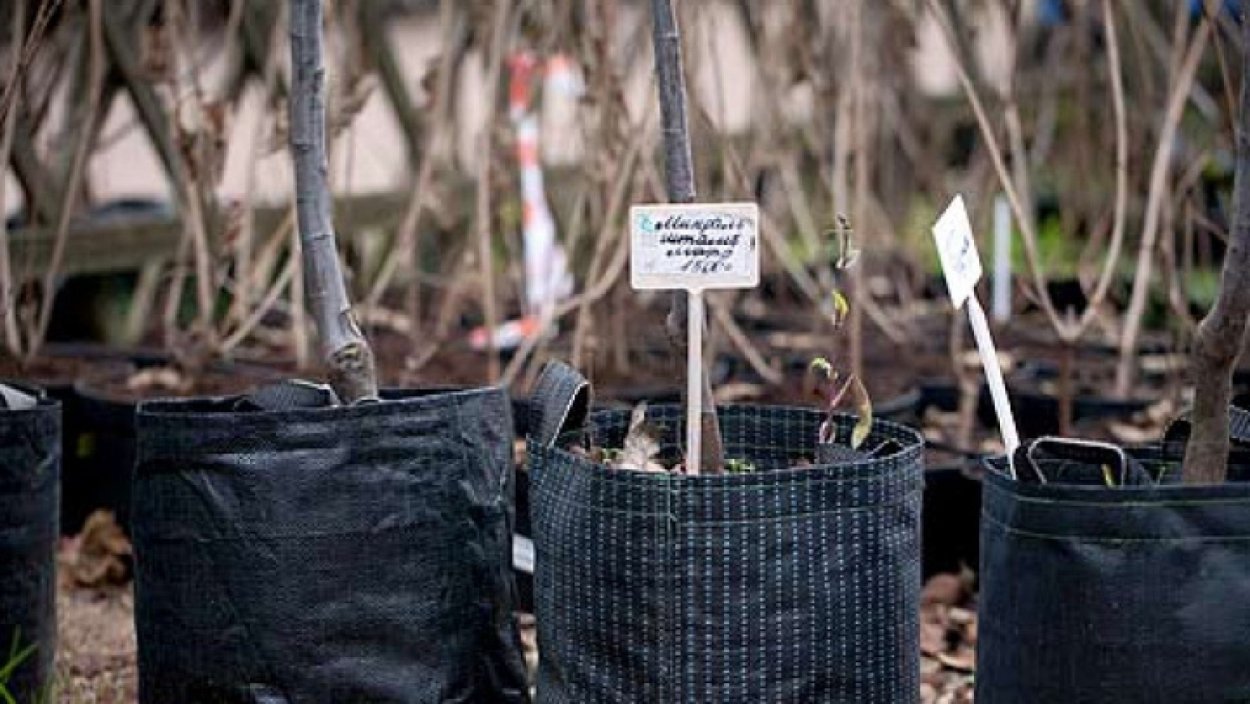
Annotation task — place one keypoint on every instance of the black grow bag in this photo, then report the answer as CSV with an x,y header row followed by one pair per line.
x,y
347,554
30,456
780,585
1137,593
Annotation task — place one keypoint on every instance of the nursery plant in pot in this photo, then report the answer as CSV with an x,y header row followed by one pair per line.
x,y
30,458
310,543
792,576
1123,574
785,566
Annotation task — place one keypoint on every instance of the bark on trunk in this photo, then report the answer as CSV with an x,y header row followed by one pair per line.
x,y
348,357
1222,333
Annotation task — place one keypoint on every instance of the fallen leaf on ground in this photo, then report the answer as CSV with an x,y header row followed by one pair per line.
x,y
100,555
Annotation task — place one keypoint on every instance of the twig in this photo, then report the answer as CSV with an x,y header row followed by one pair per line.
x,y
121,49
454,29
34,178
70,192
25,50
262,309
607,237
345,350
143,300
1223,331
485,254
252,272
602,283
173,300
299,310
743,343
1096,299
1023,218
859,194
1127,366
8,297
383,58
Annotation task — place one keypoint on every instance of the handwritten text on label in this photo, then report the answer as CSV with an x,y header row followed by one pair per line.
x,y
695,246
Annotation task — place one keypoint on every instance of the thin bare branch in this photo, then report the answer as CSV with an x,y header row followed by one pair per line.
x,y
69,194
1143,276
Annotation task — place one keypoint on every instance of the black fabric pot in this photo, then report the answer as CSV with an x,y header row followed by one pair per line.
x,y
345,554
30,461
1131,593
101,473
779,585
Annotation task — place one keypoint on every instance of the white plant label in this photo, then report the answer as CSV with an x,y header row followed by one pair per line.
x,y
522,554
694,246
962,266
958,251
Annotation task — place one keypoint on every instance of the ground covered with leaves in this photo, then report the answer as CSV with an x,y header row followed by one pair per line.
x,y
96,652
95,659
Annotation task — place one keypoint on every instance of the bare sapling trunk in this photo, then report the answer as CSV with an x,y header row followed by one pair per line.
x,y
348,358
679,182
1222,333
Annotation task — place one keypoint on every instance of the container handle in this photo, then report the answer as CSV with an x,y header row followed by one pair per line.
x,y
560,402
1076,449
1177,433
13,399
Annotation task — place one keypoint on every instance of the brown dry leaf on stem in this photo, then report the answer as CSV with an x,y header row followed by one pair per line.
x,y
641,444
863,408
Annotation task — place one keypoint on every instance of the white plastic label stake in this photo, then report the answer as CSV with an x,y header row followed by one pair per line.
x,y
696,247
962,267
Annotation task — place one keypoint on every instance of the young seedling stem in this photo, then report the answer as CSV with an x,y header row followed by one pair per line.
x,y
348,358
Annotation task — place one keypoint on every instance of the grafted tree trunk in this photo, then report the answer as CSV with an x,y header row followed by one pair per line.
x,y
1222,333
679,182
347,355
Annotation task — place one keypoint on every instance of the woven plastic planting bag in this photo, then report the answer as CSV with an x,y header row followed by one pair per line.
x,y
288,552
1135,592
30,462
782,585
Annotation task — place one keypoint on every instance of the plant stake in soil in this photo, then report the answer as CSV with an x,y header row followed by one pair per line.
x,y
679,182
962,267
347,355
694,247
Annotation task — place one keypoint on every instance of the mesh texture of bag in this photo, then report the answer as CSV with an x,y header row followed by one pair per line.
x,y
30,462
1129,593
345,554
785,584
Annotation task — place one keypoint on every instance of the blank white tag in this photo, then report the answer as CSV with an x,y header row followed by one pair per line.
x,y
958,251
962,266
522,554
694,246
